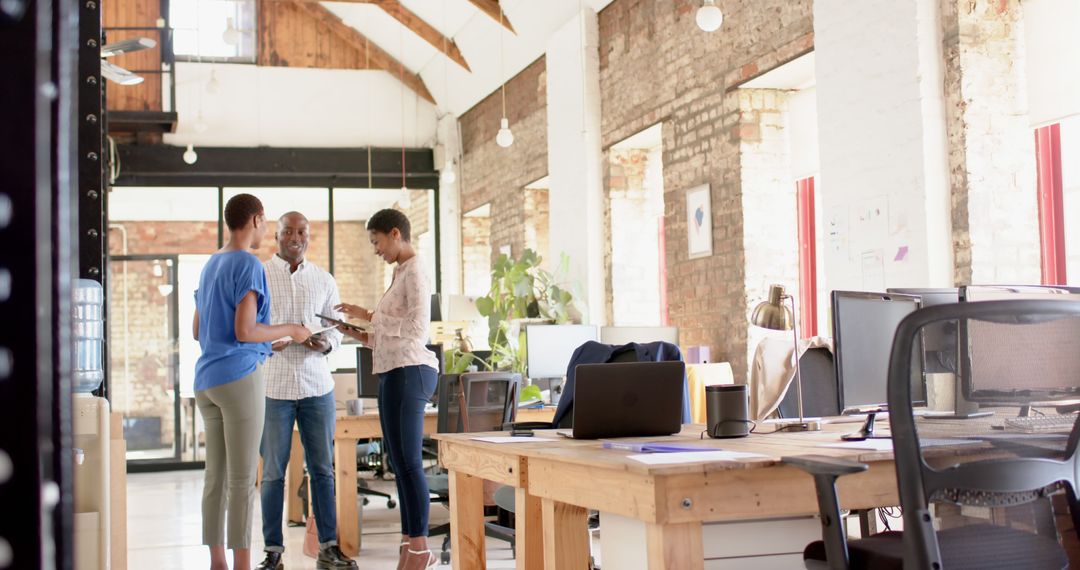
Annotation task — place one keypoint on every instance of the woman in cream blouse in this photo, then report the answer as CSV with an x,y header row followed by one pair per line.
x,y
407,375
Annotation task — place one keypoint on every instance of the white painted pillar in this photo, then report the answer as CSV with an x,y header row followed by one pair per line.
x,y
450,206
884,163
575,157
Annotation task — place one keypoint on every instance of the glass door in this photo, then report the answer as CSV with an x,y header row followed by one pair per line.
x,y
143,352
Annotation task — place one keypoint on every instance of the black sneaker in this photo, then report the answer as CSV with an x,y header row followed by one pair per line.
x,y
272,562
332,557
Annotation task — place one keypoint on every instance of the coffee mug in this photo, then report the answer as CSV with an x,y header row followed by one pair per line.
x,y
354,407
727,410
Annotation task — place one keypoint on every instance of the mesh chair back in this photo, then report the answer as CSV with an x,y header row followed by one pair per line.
x,y
477,402
1015,357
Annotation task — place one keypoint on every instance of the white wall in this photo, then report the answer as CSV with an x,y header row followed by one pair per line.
x,y
802,124
1053,64
285,107
575,158
450,206
882,145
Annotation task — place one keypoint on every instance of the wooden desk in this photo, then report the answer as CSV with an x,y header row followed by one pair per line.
x,y
665,505
348,431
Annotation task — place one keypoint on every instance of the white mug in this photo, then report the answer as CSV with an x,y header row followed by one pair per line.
x,y
354,407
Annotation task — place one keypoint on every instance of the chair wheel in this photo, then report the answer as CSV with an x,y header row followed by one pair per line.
x,y
444,557
390,503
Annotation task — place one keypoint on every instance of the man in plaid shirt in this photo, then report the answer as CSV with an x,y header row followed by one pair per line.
x,y
299,388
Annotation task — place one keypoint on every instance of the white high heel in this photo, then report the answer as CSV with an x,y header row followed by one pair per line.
x,y
432,559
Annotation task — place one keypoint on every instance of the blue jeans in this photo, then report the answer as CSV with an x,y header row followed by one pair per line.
x,y
403,393
316,419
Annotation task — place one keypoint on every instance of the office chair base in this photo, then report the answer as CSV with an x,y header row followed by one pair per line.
x,y
798,425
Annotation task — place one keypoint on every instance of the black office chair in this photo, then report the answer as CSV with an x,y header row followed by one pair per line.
x,y
1012,354
469,403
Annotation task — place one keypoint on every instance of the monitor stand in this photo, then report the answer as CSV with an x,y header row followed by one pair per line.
x,y
867,429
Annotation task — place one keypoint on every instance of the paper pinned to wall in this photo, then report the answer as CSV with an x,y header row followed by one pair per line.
x,y
836,231
873,270
870,224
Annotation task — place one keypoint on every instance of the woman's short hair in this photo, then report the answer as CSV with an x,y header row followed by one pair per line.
x,y
386,220
240,209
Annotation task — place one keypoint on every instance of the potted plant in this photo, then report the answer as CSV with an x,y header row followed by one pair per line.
x,y
523,293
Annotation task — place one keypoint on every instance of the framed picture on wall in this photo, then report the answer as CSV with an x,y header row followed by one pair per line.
x,y
699,221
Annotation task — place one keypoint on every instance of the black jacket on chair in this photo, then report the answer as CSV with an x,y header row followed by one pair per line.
x,y
596,353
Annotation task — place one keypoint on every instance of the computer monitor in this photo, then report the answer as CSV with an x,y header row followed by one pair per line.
x,y
627,335
369,381
549,347
1010,362
864,325
939,341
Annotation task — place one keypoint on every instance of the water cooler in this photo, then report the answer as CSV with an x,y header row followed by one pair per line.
x,y
90,431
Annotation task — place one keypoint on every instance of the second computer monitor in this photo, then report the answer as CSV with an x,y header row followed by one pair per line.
x,y
939,340
864,325
549,347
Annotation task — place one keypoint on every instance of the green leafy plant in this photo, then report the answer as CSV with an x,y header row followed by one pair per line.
x,y
520,291
457,362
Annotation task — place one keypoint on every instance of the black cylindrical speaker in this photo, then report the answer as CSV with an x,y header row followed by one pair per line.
x,y
727,410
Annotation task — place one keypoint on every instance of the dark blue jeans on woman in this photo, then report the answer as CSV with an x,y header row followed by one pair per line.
x,y
403,393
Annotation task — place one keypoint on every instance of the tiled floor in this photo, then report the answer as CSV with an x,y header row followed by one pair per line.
x,y
165,522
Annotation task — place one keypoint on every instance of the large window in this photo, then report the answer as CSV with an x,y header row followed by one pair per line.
x,y
1070,173
159,241
213,30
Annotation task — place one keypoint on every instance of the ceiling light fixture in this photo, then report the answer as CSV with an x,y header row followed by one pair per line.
x,y
504,138
709,17
190,156
449,176
231,35
212,86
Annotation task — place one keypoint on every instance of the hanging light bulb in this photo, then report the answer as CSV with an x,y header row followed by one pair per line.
x,y
709,17
190,155
212,85
156,270
231,35
165,289
505,138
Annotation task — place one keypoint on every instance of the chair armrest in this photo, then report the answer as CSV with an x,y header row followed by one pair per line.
x,y
825,470
825,465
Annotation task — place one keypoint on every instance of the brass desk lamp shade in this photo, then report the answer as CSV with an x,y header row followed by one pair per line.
x,y
773,314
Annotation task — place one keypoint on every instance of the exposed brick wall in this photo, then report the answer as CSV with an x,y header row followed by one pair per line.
x,y
496,175
476,254
991,148
656,66
537,215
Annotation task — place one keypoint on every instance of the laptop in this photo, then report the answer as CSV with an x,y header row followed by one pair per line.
x,y
631,399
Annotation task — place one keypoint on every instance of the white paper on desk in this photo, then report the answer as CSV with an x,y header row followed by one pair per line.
x,y
871,444
887,444
513,439
693,457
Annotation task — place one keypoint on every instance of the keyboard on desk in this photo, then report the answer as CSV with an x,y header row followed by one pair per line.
x,y
1038,424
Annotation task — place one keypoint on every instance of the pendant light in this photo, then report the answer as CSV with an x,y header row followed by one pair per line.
x,y
190,156
505,138
709,17
231,35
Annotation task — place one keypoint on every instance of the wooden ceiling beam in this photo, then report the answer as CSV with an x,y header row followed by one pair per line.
x,y
377,55
423,29
494,11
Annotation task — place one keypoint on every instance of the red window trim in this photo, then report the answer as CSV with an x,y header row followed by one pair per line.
x,y
1051,204
804,190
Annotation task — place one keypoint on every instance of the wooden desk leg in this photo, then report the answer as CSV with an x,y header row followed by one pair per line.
x,y
529,531
675,546
294,475
566,536
348,517
467,548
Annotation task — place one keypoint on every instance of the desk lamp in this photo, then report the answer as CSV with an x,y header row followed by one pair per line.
x,y
773,314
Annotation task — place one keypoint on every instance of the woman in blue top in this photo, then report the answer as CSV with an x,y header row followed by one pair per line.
x,y
232,316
